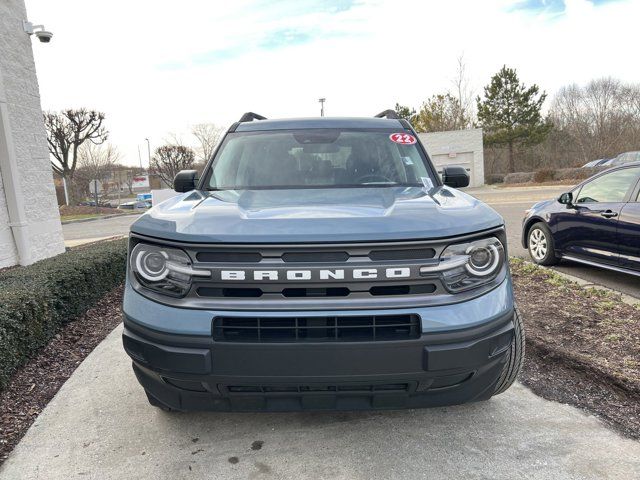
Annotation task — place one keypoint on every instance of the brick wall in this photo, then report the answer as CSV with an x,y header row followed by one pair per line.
x,y
19,91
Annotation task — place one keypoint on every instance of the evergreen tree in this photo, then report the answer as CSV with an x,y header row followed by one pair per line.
x,y
510,113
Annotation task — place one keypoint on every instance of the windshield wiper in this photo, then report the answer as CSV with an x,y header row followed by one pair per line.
x,y
380,183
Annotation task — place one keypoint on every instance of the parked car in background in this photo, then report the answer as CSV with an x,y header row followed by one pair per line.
x,y
624,158
134,205
596,163
596,223
92,203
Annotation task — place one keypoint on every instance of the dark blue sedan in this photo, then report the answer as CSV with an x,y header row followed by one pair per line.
x,y
596,223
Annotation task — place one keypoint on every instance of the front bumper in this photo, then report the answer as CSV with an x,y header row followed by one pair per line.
x,y
450,363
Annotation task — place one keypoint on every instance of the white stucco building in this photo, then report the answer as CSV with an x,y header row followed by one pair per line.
x,y
30,228
457,147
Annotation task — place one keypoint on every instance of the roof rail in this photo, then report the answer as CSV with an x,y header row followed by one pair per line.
x,y
250,116
388,114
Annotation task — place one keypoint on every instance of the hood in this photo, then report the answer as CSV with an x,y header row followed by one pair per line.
x,y
542,204
317,215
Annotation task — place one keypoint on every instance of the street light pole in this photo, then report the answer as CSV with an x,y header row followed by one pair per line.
x,y
148,151
322,100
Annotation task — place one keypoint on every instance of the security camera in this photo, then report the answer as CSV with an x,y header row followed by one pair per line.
x,y
43,35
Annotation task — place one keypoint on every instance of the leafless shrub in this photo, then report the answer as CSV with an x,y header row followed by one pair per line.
x,y
544,175
519,177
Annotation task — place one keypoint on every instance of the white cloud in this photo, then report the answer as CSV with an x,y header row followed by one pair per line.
x,y
156,67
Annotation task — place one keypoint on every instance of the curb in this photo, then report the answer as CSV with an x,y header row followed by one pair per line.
x,y
626,298
87,241
102,217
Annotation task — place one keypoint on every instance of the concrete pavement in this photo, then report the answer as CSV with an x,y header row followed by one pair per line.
x,y
99,426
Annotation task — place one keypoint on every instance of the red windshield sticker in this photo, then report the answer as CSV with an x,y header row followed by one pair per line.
x,y
402,138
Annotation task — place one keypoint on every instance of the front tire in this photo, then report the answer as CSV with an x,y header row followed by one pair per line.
x,y
541,246
515,355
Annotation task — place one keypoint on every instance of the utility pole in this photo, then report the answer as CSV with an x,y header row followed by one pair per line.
x,y
148,151
66,193
139,157
322,100
95,195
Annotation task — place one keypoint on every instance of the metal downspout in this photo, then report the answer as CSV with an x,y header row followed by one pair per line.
x,y
12,185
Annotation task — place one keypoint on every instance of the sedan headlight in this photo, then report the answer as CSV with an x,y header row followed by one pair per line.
x,y
469,265
163,269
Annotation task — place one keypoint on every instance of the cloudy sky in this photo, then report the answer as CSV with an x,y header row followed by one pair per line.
x,y
157,67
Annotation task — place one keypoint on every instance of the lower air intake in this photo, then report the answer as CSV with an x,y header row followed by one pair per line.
x,y
369,328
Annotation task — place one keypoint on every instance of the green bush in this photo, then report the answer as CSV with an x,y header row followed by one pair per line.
x,y
35,301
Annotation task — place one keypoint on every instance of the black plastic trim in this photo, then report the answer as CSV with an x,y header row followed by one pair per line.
x,y
251,116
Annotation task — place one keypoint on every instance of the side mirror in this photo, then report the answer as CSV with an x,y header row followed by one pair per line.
x,y
566,199
455,176
185,181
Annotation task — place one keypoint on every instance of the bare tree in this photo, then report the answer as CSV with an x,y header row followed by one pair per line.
x,y
602,118
452,110
95,162
98,161
129,178
207,135
168,160
463,94
66,132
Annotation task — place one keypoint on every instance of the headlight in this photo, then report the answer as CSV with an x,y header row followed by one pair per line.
x,y
468,265
162,269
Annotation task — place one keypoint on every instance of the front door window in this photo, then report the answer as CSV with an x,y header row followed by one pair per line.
x,y
609,188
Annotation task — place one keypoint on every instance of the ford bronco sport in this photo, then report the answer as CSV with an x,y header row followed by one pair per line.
x,y
320,264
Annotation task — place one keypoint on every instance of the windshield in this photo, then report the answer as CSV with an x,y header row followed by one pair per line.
x,y
317,158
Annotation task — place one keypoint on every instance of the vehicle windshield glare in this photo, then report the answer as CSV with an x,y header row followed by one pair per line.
x,y
316,158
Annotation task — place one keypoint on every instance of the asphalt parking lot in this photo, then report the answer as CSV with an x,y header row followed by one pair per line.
x,y
99,426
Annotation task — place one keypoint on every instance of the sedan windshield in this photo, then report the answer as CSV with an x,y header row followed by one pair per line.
x,y
318,158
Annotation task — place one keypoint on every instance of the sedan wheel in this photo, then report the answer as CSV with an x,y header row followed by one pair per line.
x,y
541,245
538,244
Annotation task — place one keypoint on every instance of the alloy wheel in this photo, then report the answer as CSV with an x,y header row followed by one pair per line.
x,y
538,244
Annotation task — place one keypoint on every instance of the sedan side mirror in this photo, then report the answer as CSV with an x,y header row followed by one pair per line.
x,y
566,199
455,176
185,181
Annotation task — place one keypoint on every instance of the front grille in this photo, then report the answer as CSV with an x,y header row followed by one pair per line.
x,y
367,328
314,277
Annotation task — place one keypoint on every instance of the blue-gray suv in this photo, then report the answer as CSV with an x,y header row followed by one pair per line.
x,y
320,264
